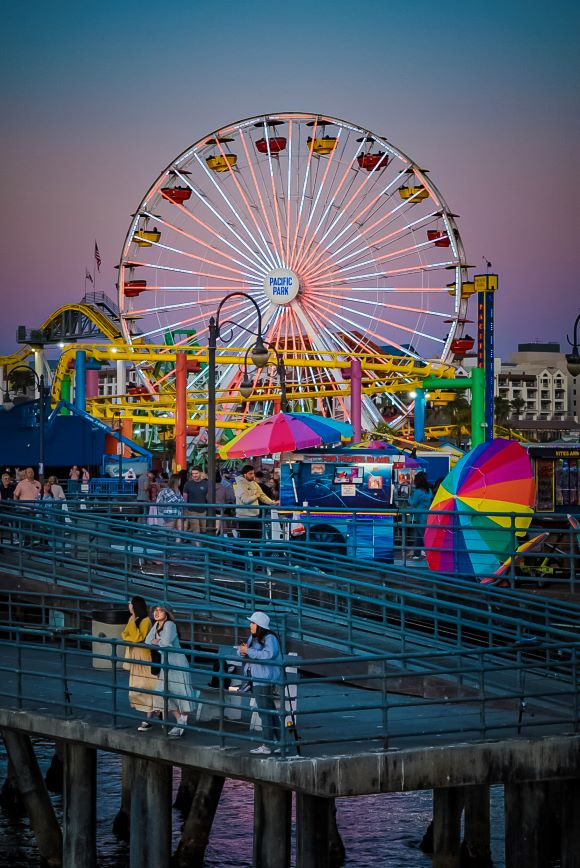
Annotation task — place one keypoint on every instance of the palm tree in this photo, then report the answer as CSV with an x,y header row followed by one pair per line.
x,y
501,410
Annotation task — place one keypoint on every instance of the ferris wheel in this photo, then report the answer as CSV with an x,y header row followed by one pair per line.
x,y
343,242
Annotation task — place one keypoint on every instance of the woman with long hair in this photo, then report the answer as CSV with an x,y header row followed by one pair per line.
x,y
262,649
175,678
138,660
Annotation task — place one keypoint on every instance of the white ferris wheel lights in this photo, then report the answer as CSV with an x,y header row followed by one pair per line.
x,y
302,195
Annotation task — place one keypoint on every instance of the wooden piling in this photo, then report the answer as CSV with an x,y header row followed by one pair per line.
x,y
10,798
475,848
272,815
54,778
186,789
526,825
35,796
312,831
150,838
570,814
80,806
447,808
197,827
122,821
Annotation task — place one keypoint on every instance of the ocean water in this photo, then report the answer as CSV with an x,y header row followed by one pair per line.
x,y
377,831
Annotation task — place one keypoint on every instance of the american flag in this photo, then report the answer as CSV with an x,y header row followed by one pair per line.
x,y
88,275
97,256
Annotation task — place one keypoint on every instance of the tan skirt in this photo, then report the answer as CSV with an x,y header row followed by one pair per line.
x,y
138,662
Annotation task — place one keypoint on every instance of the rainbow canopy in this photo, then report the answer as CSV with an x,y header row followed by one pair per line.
x,y
286,432
495,477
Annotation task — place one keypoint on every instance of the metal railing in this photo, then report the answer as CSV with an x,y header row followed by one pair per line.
x,y
521,687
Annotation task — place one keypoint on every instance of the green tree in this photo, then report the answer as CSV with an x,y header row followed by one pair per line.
x,y
502,409
518,406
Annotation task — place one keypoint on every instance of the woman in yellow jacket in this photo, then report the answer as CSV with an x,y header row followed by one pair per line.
x,y
138,660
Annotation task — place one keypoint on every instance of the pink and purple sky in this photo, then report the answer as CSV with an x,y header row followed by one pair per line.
x,y
98,99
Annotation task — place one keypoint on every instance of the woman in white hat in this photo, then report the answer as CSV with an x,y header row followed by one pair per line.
x,y
262,649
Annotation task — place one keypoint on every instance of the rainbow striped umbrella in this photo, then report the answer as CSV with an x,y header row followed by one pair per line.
x,y
493,477
286,432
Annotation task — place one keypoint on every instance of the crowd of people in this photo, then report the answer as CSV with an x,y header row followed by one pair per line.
x,y
181,500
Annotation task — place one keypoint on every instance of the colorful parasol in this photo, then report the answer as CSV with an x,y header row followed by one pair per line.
x,y
286,432
494,477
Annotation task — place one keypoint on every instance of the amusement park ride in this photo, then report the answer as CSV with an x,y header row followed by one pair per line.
x,y
325,233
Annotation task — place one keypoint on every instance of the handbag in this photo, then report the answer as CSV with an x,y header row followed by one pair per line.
x,y
155,658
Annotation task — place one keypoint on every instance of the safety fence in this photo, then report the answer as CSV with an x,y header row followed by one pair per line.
x,y
55,662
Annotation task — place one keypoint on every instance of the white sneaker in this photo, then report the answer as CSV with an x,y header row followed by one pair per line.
x,y
176,732
144,726
262,749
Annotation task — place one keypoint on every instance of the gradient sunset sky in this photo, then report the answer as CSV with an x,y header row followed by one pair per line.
x,y
98,98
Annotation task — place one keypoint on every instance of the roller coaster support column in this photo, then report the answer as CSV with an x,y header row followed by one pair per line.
x,y
180,411
477,385
419,415
121,379
183,366
356,398
80,380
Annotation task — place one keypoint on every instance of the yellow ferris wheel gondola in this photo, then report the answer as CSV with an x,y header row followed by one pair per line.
x,y
146,237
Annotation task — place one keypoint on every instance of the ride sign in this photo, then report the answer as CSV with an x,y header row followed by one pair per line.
x,y
281,285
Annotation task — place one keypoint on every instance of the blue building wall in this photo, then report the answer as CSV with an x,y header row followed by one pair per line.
x,y
67,439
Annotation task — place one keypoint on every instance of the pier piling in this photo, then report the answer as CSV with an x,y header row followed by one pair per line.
x,y
527,819
150,840
272,814
35,796
312,831
475,849
80,806
447,808
197,827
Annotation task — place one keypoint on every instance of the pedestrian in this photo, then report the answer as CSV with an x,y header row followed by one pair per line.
x,y
169,502
85,475
195,493
262,650
138,659
143,488
249,495
224,497
74,473
56,489
263,483
7,487
175,679
28,488
419,503
7,493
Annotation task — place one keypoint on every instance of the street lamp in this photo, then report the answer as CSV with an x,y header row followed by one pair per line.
x,y
8,404
573,358
246,387
259,354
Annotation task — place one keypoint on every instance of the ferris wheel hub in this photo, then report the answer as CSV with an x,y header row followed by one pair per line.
x,y
281,286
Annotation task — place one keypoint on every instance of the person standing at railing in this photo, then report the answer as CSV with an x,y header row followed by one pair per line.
x,y
176,678
170,502
419,503
249,496
262,649
138,660
28,488
75,479
195,493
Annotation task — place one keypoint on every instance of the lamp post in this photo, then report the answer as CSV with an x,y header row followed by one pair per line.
x,y
8,404
259,353
246,386
573,358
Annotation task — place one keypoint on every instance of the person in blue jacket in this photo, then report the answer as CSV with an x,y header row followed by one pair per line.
x,y
419,503
262,650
